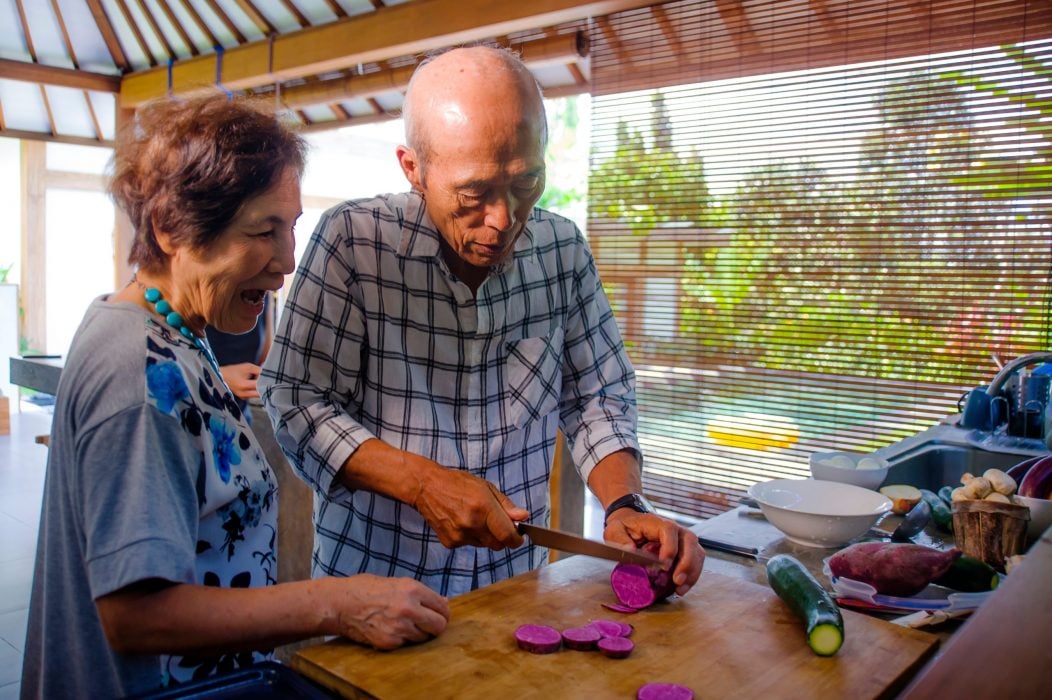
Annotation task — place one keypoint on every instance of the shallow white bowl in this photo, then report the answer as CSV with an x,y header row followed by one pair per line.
x,y
1040,515
819,513
848,468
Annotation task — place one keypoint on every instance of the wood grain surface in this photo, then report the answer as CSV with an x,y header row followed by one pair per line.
x,y
726,638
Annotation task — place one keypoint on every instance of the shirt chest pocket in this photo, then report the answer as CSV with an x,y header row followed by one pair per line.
x,y
533,377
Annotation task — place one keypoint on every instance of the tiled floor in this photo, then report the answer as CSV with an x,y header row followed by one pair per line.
x,y
22,464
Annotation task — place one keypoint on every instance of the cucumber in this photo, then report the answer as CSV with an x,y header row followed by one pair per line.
x,y
946,494
969,575
806,597
941,514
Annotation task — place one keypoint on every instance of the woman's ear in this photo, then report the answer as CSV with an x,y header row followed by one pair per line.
x,y
410,166
163,238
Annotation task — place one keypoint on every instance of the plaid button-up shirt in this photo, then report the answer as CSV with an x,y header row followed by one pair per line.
x,y
379,339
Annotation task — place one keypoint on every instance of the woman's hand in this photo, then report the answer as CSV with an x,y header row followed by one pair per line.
x,y
385,613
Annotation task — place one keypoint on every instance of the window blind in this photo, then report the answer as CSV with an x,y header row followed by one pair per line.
x,y
818,223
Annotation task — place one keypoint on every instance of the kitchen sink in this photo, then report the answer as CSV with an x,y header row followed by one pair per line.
x,y
936,465
939,456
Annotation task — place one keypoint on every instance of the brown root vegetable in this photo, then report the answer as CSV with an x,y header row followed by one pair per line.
x,y
664,691
581,638
616,647
892,568
538,639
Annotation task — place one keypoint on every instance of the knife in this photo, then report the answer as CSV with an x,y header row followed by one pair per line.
x,y
566,542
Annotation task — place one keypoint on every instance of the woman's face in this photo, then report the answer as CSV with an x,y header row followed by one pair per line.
x,y
223,285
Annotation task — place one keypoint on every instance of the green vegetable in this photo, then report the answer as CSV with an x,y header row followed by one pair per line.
x,y
806,597
946,494
941,514
969,575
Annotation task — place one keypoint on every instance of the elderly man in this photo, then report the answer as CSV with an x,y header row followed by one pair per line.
x,y
434,341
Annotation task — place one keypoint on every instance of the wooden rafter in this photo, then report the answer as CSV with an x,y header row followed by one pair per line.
x,y
200,22
76,65
820,9
257,17
137,32
738,26
578,77
336,8
301,19
612,40
227,22
377,107
33,55
341,113
184,35
667,30
377,4
113,43
156,28
403,30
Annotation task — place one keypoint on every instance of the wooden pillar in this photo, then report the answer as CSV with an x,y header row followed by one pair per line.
x,y
33,289
123,233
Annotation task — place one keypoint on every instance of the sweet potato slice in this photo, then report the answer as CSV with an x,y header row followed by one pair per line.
x,y
538,639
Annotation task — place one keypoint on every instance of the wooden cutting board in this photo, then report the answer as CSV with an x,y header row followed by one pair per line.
x,y
726,638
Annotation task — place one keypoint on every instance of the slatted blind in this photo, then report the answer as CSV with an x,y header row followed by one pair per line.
x,y
817,222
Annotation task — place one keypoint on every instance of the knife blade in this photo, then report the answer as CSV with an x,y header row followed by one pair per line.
x,y
574,544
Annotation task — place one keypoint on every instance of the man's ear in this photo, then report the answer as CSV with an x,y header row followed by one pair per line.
x,y
410,166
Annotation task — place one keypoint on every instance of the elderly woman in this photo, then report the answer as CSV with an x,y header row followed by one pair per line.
x,y
155,561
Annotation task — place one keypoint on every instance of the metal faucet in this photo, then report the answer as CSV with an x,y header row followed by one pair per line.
x,y
1012,366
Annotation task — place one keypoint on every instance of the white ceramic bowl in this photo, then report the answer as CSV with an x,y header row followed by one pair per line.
x,y
1040,515
819,513
849,468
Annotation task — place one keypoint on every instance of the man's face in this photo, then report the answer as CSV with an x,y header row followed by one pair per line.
x,y
479,184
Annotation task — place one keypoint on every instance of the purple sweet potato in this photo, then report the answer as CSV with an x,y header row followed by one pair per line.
x,y
616,647
636,587
620,608
538,639
581,638
892,568
611,628
664,691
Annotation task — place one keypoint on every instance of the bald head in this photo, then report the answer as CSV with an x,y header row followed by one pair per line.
x,y
466,87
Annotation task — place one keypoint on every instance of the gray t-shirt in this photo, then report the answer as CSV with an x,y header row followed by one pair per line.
x,y
152,474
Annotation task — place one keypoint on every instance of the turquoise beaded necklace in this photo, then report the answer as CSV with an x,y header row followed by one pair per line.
x,y
153,295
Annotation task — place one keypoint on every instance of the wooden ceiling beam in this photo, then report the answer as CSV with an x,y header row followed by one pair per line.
x,y
402,30
25,72
140,38
227,22
558,50
109,37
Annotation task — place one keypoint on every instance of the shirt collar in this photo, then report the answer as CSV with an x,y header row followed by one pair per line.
x,y
421,239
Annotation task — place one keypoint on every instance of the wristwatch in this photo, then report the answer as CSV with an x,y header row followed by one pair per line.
x,y
635,501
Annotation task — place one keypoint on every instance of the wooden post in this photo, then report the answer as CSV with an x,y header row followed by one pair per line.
x,y
33,287
123,233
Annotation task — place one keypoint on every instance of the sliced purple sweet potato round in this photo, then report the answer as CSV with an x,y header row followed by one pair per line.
x,y
616,647
581,638
631,584
620,608
664,691
538,639
611,628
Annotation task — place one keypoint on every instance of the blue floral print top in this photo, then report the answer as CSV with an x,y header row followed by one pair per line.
x,y
236,489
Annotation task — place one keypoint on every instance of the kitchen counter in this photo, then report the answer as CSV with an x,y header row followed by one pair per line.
x,y
37,373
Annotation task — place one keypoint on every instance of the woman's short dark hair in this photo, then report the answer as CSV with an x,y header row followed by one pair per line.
x,y
185,166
